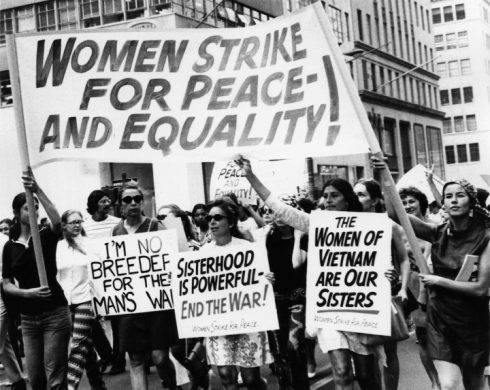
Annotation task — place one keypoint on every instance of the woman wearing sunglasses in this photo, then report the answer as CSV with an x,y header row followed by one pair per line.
x,y
248,351
72,259
145,333
45,317
343,347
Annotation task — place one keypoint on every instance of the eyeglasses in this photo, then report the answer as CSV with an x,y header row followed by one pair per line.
x,y
75,222
216,217
161,217
129,199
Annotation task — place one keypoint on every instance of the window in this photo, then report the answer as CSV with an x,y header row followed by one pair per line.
x,y
365,75
456,96
335,17
46,20
460,14
25,19
67,17
458,124
419,134
436,15
474,152
465,67
368,24
416,13
132,5
5,89
373,76
444,94
448,14
463,38
359,25
438,38
6,25
450,155
90,8
347,29
441,69
470,122
462,153
112,7
468,94
451,41
453,68
434,143
447,126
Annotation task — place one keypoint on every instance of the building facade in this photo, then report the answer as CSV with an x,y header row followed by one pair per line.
x,y
389,47
462,44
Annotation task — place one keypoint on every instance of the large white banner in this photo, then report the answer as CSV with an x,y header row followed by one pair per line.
x,y
271,90
223,291
132,273
348,254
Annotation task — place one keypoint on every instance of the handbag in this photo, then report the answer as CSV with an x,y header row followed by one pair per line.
x,y
399,328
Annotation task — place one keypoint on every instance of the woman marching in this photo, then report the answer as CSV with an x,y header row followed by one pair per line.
x,y
73,259
457,310
342,347
45,317
248,351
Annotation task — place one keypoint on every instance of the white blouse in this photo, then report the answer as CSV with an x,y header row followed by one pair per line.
x,y
73,273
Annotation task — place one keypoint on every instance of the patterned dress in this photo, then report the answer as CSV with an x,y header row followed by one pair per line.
x,y
244,350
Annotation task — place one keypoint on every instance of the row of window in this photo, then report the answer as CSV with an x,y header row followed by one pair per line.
x,y
74,14
462,153
449,13
379,79
456,96
454,68
451,40
390,32
457,124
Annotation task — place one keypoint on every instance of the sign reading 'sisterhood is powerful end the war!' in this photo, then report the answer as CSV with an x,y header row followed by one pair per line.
x,y
188,94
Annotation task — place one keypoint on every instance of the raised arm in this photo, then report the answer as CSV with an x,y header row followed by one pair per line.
x,y
51,210
293,217
430,180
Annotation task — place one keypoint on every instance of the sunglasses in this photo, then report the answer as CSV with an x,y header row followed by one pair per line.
x,y
129,199
161,217
216,217
268,211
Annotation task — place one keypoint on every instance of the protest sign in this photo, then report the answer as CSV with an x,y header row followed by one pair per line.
x,y
132,272
417,178
227,177
223,291
188,94
348,254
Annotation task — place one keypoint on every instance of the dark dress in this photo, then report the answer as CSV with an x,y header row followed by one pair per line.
x,y
458,323
144,332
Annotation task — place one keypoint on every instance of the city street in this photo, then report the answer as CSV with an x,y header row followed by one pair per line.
x,y
412,375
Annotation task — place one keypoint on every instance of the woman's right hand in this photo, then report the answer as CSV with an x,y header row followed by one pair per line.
x,y
29,181
244,164
377,163
42,292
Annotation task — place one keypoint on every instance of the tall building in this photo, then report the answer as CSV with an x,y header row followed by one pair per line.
x,y
388,45
462,46
184,184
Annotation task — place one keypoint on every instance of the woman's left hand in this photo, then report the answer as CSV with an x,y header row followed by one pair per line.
x,y
392,275
29,181
430,280
270,277
403,295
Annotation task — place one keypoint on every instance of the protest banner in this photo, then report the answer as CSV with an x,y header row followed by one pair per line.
x,y
348,254
227,177
270,90
223,291
131,273
417,178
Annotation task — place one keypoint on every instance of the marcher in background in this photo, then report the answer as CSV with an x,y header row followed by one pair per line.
x,y
201,227
343,347
5,225
458,318
247,351
73,257
45,315
7,355
100,225
416,203
369,193
145,333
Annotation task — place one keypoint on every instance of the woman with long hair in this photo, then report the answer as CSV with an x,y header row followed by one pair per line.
x,y
342,347
369,193
73,258
457,309
45,317
247,351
